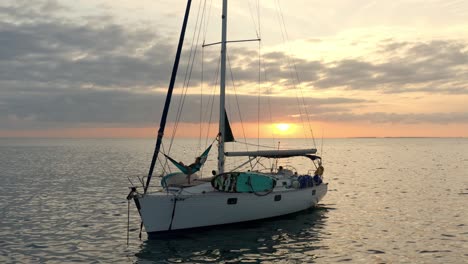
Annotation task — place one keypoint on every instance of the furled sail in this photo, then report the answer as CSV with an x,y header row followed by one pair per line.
x,y
272,153
229,137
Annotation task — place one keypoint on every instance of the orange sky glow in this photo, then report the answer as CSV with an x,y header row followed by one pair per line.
x,y
100,69
330,130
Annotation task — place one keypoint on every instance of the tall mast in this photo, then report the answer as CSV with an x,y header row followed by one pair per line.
x,y
222,88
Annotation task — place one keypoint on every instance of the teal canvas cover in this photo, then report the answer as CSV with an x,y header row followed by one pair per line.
x,y
243,182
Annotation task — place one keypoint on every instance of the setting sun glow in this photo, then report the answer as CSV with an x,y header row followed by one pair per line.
x,y
282,127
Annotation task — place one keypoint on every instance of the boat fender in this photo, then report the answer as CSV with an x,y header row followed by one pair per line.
x,y
295,184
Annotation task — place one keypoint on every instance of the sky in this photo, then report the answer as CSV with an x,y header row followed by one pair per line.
x,y
337,68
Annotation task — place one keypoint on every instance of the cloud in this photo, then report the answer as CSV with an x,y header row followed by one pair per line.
x,y
64,107
58,71
108,55
66,72
434,66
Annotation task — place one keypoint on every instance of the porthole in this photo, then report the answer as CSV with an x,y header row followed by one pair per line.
x,y
278,197
313,192
232,201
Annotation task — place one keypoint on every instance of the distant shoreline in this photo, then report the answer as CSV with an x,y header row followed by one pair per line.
x,y
190,138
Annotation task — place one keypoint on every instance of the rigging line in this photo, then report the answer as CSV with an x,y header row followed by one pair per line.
x,y
294,86
165,167
258,19
260,66
299,104
212,101
237,98
204,38
190,70
202,24
305,109
252,17
237,102
284,35
203,166
321,147
313,137
294,63
167,103
258,115
128,219
268,88
192,55
278,17
300,111
230,41
258,162
182,96
255,145
207,21
162,165
201,97
258,100
303,101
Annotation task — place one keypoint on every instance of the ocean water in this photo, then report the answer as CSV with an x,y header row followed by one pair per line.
x,y
401,200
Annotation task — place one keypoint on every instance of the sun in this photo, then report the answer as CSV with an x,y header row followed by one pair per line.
x,y
282,127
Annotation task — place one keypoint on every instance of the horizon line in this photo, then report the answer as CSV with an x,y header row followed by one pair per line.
x,y
249,138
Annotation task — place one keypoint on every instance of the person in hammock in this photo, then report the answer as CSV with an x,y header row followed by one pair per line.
x,y
192,168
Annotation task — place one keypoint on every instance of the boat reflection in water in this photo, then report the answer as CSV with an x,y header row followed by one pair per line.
x,y
269,239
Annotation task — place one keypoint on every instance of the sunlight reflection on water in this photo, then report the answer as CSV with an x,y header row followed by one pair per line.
x,y
389,200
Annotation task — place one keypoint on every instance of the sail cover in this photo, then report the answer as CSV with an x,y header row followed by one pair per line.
x,y
272,153
194,167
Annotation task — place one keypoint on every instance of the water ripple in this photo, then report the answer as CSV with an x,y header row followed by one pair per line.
x,y
64,201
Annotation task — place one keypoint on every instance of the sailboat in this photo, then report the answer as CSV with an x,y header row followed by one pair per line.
x,y
229,196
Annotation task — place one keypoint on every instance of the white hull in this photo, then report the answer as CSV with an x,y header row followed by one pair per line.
x,y
200,206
